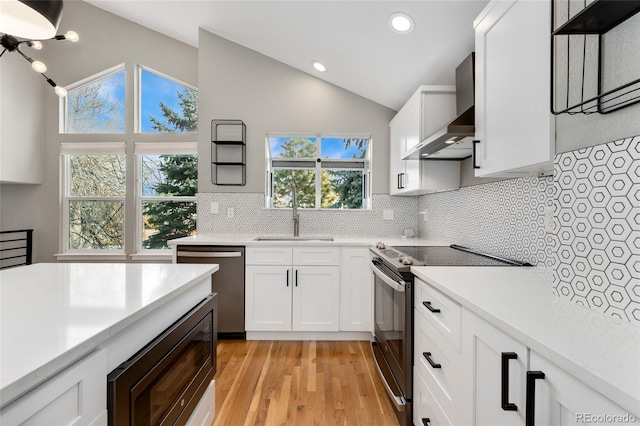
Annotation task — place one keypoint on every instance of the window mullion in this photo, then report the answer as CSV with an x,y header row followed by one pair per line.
x,y
318,172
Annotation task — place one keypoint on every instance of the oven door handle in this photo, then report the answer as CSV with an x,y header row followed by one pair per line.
x,y
396,285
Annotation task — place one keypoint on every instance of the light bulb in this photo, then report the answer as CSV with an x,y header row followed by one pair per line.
x,y
35,44
401,23
39,67
319,66
72,36
60,91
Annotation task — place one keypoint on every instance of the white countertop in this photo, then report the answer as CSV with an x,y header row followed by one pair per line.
x,y
599,350
52,314
338,240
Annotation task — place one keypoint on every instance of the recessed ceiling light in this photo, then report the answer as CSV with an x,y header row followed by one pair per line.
x,y
401,23
319,66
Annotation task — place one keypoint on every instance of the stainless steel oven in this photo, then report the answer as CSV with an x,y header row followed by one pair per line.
x,y
164,381
393,325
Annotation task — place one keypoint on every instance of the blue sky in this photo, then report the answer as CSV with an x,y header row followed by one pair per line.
x,y
156,89
331,148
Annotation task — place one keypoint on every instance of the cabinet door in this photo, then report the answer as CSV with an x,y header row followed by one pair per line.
x,y
513,120
356,295
411,122
268,298
561,400
396,165
316,298
483,349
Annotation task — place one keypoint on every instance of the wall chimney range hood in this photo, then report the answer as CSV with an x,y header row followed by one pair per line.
x,y
454,140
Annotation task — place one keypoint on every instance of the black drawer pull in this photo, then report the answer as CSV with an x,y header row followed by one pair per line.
x,y
431,308
426,421
530,414
506,405
427,356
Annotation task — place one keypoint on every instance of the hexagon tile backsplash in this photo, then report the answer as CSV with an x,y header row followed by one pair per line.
x,y
596,249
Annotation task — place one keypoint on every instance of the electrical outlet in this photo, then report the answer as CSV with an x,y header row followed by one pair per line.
x,y
231,212
214,207
424,215
387,214
548,219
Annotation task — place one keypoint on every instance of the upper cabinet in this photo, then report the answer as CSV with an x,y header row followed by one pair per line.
x,y
428,109
514,124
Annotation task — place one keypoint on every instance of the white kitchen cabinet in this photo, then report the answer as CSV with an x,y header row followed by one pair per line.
x,y
514,125
356,290
437,358
428,109
301,294
426,410
77,397
560,399
268,298
484,348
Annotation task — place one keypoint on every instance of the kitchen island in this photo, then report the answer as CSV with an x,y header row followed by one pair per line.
x,y
54,316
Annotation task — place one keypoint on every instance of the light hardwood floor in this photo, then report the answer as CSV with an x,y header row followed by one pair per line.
x,y
304,383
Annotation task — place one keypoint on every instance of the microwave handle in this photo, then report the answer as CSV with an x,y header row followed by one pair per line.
x,y
397,286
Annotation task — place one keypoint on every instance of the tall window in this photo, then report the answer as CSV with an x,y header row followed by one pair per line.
x,y
94,185
168,183
97,106
104,211
329,172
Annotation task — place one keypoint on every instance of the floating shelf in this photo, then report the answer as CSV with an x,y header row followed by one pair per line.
x,y
599,17
595,19
228,152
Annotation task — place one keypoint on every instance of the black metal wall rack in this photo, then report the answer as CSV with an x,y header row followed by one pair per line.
x,y
228,152
595,19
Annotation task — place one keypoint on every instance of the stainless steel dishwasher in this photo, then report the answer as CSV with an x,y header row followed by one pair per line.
x,y
228,282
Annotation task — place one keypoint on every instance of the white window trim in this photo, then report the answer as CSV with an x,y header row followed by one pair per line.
x,y
367,193
155,148
97,148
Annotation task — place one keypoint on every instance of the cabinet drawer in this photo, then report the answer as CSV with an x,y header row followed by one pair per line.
x,y
446,313
425,405
272,255
444,376
316,255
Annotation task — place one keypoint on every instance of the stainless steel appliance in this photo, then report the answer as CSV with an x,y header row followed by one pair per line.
x,y
227,282
393,310
163,383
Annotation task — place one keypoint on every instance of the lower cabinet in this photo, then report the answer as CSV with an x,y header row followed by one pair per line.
x,y
509,384
77,396
496,365
557,398
356,290
294,297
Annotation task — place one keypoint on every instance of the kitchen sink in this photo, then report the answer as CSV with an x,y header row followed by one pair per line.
x,y
292,238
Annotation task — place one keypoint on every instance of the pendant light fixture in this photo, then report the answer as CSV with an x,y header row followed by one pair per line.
x,y
34,21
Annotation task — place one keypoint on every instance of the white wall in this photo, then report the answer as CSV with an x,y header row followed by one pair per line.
x,y
105,41
20,119
238,83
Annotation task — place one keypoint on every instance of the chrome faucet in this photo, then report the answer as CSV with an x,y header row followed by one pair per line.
x,y
296,217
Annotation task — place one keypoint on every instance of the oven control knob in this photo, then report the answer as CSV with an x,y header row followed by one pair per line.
x,y
406,260
380,246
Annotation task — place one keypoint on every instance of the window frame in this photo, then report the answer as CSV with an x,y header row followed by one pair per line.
x,y
319,166
87,148
156,148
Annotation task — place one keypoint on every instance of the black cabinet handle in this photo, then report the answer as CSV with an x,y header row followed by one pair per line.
x,y
474,154
426,421
398,180
427,356
530,414
296,278
431,308
506,405
287,278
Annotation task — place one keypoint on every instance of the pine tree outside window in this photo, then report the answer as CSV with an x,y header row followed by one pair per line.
x,y
329,172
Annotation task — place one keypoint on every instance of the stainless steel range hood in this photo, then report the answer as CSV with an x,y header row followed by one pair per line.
x,y
454,140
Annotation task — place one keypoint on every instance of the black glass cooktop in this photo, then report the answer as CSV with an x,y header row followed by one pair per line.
x,y
453,255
